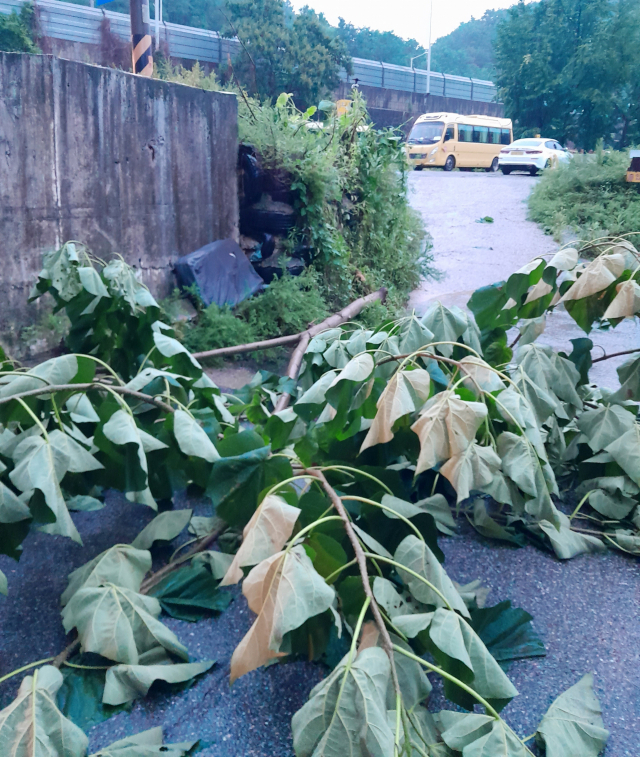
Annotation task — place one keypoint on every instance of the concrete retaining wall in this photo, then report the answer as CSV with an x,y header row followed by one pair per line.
x,y
391,107
125,164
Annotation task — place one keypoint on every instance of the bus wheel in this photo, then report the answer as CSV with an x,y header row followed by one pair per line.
x,y
450,163
418,168
493,168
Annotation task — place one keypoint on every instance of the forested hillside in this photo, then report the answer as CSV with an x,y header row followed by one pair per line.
x,y
468,50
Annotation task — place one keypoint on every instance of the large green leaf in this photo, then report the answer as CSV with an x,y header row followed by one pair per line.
x,y
122,564
118,623
146,744
626,452
629,375
58,370
4,587
163,527
460,651
507,632
127,682
567,543
80,459
40,465
604,425
190,593
446,325
416,555
346,713
121,429
482,736
32,725
191,437
573,726
15,517
243,472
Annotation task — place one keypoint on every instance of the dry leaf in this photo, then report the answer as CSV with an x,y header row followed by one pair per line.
x,y
481,375
446,427
420,380
596,277
626,303
565,260
284,590
541,289
265,534
395,401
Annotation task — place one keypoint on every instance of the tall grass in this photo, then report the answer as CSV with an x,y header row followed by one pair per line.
x,y
590,196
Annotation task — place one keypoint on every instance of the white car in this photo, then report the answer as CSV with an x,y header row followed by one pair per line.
x,y
532,155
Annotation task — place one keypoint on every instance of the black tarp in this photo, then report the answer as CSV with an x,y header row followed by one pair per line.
x,y
221,272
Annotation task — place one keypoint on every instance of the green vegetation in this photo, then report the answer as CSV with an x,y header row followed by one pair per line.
x,y
350,185
349,182
286,307
282,51
590,195
363,42
17,31
468,50
395,431
570,69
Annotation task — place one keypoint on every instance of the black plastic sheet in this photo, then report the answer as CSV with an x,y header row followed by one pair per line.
x,y
221,272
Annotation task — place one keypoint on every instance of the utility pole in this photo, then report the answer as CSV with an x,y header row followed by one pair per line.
x,y
141,38
429,53
157,7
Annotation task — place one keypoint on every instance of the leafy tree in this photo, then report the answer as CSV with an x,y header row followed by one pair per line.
x,y
468,50
282,51
16,31
569,68
363,42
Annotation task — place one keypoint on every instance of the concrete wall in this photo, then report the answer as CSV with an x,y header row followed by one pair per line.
x,y
391,107
125,164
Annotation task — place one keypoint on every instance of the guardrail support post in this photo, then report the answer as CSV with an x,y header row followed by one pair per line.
x,y
142,57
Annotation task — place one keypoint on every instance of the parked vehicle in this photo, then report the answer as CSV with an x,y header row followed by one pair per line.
x,y
449,140
532,155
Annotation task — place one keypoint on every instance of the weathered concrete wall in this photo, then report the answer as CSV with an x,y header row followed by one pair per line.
x,y
126,164
392,107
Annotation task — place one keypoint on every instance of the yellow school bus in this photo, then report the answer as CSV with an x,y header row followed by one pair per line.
x,y
448,140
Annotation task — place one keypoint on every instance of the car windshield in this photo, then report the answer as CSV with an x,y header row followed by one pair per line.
x,y
426,133
527,143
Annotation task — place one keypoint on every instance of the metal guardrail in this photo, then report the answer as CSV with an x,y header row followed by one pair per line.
x,y
79,23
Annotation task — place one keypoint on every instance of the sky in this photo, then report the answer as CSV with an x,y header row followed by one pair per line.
x,y
407,18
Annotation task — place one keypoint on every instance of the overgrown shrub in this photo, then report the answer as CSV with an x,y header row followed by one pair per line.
x,y
350,185
287,306
590,195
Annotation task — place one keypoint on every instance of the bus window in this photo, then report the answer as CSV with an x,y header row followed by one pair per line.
x,y
505,138
465,132
450,133
481,134
426,133
494,136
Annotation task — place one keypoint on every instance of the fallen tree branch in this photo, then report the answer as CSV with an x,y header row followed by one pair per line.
x,y
346,314
266,344
387,644
52,388
615,354
350,311
154,579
